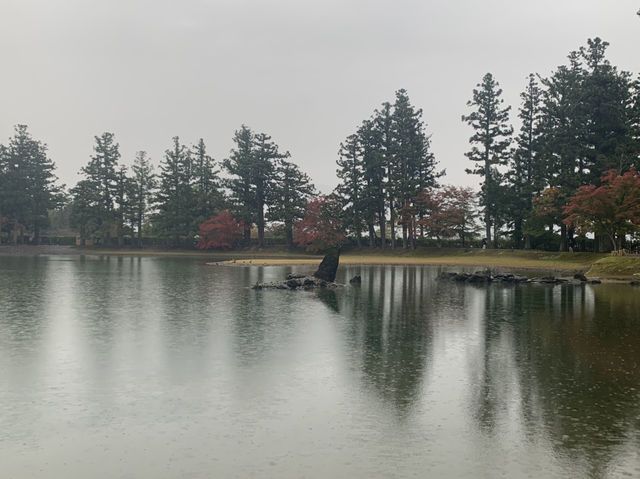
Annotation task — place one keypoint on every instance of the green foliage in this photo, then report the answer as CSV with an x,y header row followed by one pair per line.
x,y
142,185
382,167
490,146
174,199
28,188
252,164
288,197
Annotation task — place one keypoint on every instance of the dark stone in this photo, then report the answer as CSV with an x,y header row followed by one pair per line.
x,y
594,281
478,278
305,282
356,279
329,266
635,283
580,277
293,283
295,276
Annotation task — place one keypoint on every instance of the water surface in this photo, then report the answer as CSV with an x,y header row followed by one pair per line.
x,y
166,367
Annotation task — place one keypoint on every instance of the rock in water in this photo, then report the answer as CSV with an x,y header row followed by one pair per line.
x,y
357,279
329,266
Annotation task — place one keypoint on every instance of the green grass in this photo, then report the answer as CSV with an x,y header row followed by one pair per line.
x,y
616,267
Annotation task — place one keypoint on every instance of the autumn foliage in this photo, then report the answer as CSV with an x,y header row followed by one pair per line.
x,y
220,231
320,228
612,209
447,212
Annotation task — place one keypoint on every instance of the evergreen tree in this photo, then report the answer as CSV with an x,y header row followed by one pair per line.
x,y
252,164
490,143
3,187
609,102
351,172
289,196
100,173
587,123
208,196
373,194
239,165
124,203
526,175
85,200
266,155
28,187
384,134
414,163
143,184
174,198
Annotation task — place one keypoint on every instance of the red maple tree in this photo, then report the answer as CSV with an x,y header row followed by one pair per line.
x,y
447,212
220,231
320,228
612,209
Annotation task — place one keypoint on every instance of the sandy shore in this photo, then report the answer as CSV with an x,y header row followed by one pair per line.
x,y
42,250
595,265
492,261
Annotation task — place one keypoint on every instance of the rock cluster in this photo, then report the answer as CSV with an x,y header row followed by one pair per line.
x,y
297,281
482,277
323,278
488,277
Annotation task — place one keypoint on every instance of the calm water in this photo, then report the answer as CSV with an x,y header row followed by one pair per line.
x,y
164,368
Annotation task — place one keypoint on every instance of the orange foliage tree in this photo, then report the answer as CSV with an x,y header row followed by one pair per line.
x,y
321,227
220,231
612,209
448,212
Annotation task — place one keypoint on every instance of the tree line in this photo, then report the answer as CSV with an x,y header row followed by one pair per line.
x,y
112,201
579,140
577,126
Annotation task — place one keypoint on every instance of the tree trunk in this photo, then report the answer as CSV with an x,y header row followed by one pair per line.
x,y
517,233
288,231
563,237
392,220
372,236
405,242
383,229
495,235
487,224
261,225
139,231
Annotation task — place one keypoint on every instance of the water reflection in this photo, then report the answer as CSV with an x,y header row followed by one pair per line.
x,y
563,362
170,367
390,330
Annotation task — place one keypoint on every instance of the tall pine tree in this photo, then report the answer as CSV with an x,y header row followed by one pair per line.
x,y
490,143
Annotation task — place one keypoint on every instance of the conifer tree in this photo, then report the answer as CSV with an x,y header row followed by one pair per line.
x,y
174,199
252,164
208,196
490,143
265,158
143,183
100,173
350,190
526,175
28,188
414,163
289,196
239,165
373,195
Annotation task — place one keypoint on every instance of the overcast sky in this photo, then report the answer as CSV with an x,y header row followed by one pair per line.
x,y
305,72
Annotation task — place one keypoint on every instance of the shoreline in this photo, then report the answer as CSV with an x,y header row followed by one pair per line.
x,y
603,266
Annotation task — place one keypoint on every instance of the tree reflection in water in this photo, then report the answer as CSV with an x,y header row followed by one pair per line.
x,y
565,359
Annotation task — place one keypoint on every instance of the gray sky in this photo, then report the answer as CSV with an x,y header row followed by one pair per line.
x,y
305,72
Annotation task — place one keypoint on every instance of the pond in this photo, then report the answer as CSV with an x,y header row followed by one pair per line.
x,y
165,367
